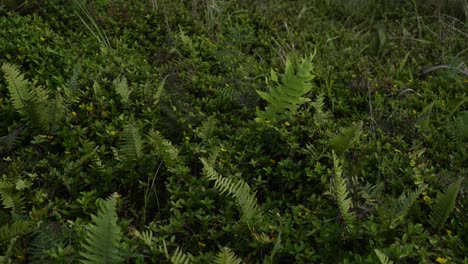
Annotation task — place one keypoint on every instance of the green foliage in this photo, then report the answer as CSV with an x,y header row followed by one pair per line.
x,y
226,256
384,259
103,236
16,229
403,205
11,198
444,204
287,96
128,95
346,138
133,143
122,89
339,189
31,101
240,191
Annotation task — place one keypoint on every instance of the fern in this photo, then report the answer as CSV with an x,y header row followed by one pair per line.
x,y
458,128
47,237
18,87
444,204
286,98
121,87
16,229
320,116
240,191
179,257
101,244
226,256
347,137
405,201
164,148
340,192
11,199
132,146
9,141
382,257
31,101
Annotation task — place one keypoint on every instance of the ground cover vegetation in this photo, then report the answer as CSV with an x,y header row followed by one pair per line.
x,y
239,131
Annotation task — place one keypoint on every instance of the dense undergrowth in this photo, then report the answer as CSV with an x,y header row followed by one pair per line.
x,y
233,131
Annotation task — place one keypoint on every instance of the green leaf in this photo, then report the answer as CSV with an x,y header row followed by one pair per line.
x,y
444,204
101,244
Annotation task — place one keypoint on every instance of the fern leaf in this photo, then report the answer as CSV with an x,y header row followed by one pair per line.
x,y
16,229
444,204
226,256
101,244
240,191
179,257
9,141
347,137
121,87
320,116
382,257
340,190
132,147
164,148
287,97
10,199
18,87
405,201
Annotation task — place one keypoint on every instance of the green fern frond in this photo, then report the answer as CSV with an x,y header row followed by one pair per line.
x,y
287,97
18,87
31,101
444,204
226,256
46,237
16,229
320,116
458,127
205,131
9,141
11,199
346,138
382,257
121,87
164,148
132,146
180,257
340,191
240,191
101,244
405,201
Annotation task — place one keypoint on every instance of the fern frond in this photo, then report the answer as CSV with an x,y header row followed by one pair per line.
x,y
382,257
320,116
29,100
164,148
16,229
18,87
340,191
240,191
205,131
132,146
10,199
405,201
179,257
101,244
121,87
9,141
226,256
346,138
444,204
47,236
286,98
458,128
